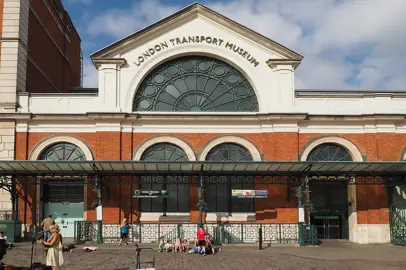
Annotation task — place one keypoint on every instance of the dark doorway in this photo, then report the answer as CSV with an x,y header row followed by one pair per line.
x,y
330,214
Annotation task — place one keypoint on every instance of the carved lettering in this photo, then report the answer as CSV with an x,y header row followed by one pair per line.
x,y
150,52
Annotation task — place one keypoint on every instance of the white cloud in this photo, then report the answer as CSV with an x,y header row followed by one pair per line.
x,y
119,23
328,33
90,76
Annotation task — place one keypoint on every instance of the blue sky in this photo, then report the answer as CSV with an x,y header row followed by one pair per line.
x,y
346,44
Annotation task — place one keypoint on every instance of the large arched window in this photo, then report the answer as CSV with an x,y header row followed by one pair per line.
x,y
62,152
164,152
330,199
195,84
229,152
56,192
329,152
177,186
219,188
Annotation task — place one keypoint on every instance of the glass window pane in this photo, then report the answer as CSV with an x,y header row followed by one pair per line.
x,y
195,83
229,152
172,201
183,198
329,152
211,197
236,205
62,152
223,195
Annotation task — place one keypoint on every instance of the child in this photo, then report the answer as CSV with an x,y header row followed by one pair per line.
x,y
169,246
178,245
161,246
185,245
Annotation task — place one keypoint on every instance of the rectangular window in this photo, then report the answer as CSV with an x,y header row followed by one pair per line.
x,y
178,194
218,194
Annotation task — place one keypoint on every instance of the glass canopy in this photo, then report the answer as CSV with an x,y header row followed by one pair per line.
x,y
143,167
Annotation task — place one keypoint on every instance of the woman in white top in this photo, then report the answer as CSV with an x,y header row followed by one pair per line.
x,y
54,254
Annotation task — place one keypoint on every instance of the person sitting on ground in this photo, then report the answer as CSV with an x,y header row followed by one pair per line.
x,y
161,246
209,246
195,248
3,247
178,245
169,246
185,245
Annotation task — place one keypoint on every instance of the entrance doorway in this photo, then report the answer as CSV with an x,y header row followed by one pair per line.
x,y
66,205
330,214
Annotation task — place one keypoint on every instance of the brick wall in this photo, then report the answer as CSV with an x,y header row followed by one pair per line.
x,y
372,201
50,37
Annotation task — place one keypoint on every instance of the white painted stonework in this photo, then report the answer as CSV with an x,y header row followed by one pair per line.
x,y
7,140
371,234
170,217
235,217
13,62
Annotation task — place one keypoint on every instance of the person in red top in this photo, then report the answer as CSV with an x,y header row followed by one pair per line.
x,y
201,236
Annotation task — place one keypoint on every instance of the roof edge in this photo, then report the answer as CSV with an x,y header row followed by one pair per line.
x,y
213,15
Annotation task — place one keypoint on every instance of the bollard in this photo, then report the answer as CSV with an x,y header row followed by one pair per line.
x,y
260,238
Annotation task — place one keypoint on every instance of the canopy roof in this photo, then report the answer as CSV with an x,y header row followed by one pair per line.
x,y
27,167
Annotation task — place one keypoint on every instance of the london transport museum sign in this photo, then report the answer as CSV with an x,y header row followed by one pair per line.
x,y
195,39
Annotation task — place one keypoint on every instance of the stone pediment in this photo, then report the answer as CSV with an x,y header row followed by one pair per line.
x,y
196,25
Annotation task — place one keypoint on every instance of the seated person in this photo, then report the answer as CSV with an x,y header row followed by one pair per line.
x,y
161,246
209,246
169,246
178,245
3,247
185,245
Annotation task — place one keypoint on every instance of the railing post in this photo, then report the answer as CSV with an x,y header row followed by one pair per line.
x,y
223,234
242,233
179,229
260,236
75,233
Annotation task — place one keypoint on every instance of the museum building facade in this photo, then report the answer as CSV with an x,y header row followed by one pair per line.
x,y
199,87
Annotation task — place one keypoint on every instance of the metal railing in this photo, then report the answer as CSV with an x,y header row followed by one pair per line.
x,y
397,213
221,233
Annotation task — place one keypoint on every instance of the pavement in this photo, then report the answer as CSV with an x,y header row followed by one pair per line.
x,y
334,255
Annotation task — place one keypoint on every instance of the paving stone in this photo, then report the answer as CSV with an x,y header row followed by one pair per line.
x,y
340,256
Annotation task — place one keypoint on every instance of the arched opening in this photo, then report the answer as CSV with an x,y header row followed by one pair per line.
x,y
64,201
219,189
177,186
329,199
195,84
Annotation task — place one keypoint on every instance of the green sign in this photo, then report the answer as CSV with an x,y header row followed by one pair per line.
x,y
138,193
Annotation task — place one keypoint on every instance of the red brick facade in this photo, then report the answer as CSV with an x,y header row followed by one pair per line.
x,y
54,63
372,201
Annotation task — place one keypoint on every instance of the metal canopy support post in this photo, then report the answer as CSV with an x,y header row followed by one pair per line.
x,y
201,204
13,199
99,209
301,215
